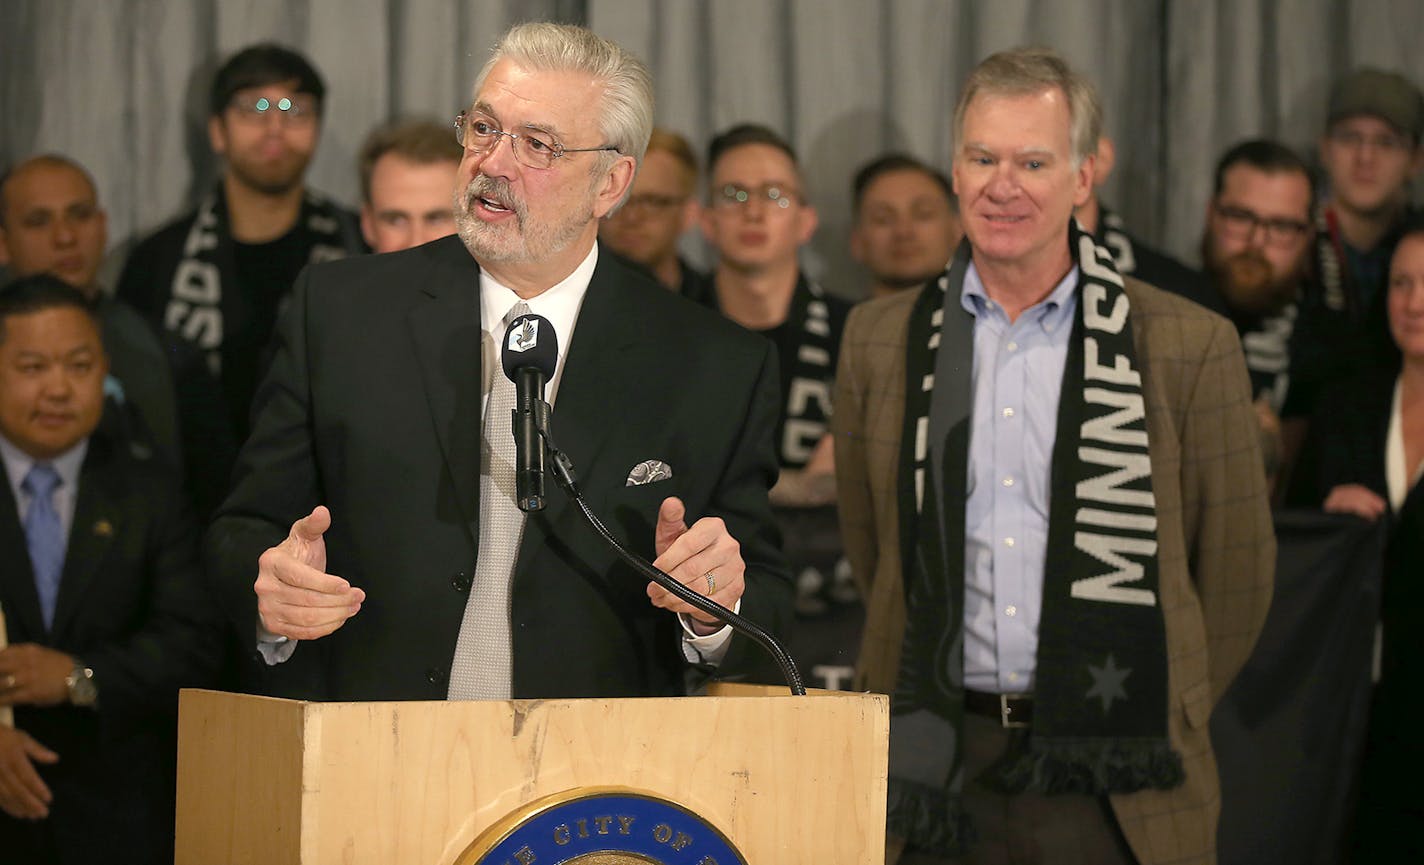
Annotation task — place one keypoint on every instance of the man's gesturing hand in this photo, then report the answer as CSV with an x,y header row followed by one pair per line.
x,y
296,598
705,558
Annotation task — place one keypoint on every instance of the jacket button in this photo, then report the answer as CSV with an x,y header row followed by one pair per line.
x,y
435,676
462,582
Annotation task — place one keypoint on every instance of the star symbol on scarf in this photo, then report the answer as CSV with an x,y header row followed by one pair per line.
x,y
1107,682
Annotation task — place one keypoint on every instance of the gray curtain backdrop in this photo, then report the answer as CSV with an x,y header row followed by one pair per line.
x,y
120,84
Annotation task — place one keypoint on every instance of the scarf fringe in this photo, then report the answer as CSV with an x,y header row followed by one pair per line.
x,y
927,819
1091,767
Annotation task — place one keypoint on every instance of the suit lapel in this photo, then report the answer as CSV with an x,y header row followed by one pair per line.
x,y
17,578
596,386
98,515
445,330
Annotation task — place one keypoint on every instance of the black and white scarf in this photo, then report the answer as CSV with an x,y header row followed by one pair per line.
x,y
1338,292
198,302
1267,346
1116,239
806,416
1101,701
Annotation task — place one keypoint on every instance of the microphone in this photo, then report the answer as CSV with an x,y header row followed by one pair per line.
x,y
529,356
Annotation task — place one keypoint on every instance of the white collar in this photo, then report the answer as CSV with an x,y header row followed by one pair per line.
x,y
560,304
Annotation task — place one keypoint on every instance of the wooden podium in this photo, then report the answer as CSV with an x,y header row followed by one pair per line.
x,y
265,781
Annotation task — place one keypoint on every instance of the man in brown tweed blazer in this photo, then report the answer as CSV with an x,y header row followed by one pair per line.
x,y
1022,162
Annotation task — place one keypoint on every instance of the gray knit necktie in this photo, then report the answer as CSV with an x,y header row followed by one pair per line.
x,y
482,669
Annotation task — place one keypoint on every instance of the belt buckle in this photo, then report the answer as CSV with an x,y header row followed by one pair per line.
x,y
1005,713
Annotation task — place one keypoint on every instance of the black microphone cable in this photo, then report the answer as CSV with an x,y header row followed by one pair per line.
x,y
563,472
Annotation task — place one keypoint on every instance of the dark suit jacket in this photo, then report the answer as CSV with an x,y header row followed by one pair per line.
x,y
373,408
133,607
1346,442
1216,546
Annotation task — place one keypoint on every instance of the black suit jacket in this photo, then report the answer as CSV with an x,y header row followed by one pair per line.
x,y
1346,442
373,408
132,605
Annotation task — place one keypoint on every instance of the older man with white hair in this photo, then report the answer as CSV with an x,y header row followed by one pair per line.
x,y
374,501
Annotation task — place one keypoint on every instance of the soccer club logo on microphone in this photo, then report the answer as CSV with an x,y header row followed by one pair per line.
x,y
524,333
602,826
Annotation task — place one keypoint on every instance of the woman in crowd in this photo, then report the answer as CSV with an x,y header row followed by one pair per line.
x,y
1366,458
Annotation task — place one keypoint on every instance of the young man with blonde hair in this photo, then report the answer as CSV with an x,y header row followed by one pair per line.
x,y
661,207
408,184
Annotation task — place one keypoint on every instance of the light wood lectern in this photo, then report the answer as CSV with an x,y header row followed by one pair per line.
x,y
787,780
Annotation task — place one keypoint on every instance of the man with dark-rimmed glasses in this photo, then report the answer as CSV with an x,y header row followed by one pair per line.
x,y
1256,250
374,500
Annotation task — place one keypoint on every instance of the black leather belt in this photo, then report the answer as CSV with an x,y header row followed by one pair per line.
x,y
1010,710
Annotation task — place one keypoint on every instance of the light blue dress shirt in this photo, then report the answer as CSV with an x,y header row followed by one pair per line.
x,y
1017,379
68,464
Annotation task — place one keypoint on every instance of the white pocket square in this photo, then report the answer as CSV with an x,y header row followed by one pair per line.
x,y
648,472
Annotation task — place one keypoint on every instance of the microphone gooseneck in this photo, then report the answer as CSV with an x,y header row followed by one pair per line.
x,y
563,471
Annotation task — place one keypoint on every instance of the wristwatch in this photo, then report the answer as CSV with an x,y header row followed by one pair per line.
x,y
80,682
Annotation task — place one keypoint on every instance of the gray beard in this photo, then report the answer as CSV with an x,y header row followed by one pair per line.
x,y
524,241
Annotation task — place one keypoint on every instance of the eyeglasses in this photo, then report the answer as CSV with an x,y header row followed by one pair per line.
x,y
290,110
1240,222
734,196
651,203
480,134
1385,142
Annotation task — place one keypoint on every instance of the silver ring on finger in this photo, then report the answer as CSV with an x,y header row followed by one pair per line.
x,y
711,579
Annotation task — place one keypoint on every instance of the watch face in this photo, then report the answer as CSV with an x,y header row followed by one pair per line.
x,y
81,687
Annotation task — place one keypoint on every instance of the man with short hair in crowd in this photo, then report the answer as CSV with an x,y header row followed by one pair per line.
x,y
1370,152
905,222
219,276
1051,495
51,222
408,184
662,206
1256,248
757,219
102,597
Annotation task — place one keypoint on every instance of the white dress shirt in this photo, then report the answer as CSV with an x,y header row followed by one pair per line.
x,y
1399,478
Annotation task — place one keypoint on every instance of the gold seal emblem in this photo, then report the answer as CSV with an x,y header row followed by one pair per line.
x,y
602,826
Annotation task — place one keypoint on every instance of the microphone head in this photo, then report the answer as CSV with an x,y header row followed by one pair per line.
x,y
530,342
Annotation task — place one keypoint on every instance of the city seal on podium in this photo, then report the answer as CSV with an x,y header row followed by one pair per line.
x,y
602,826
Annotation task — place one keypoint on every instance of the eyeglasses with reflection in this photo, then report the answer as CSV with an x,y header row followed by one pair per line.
x,y
1240,222
533,149
291,110
1385,142
734,196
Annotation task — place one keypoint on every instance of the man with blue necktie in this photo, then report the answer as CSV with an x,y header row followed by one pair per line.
x,y
103,604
